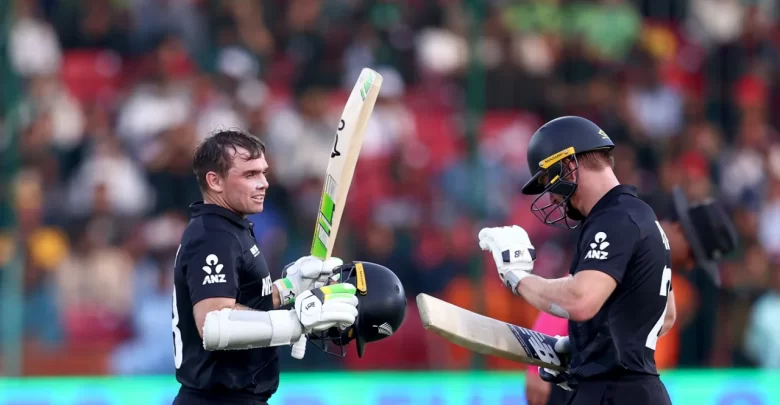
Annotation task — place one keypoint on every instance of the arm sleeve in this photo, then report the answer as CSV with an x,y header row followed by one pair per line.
x,y
608,244
211,266
549,325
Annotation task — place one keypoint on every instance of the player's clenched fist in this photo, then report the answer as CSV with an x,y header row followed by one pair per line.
x,y
562,348
304,274
323,308
512,251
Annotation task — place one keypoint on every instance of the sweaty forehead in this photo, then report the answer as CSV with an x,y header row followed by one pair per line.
x,y
242,162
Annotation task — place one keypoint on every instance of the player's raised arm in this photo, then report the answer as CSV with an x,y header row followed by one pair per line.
x,y
606,248
580,297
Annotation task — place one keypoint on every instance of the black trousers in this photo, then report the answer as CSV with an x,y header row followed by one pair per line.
x,y
559,396
191,398
631,390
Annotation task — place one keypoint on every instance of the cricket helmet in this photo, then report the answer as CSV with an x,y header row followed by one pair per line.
x,y
381,308
551,148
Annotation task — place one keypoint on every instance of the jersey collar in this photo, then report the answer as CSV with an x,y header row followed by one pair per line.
x,y
612,195
199,208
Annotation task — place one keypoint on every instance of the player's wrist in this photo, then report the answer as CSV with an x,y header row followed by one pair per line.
x,y
287,291
512,279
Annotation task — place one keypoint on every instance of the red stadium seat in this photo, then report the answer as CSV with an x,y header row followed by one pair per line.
x,y
90,75
439,133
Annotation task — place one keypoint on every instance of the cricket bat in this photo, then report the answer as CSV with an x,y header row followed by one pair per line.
x,y
489,336
338,177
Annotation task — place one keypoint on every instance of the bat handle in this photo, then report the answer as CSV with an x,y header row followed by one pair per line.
x,y
299,348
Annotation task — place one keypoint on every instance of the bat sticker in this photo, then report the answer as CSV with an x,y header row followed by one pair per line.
x,y
336,143
536,345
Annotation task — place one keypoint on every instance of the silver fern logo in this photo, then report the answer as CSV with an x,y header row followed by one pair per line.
x,y
384,329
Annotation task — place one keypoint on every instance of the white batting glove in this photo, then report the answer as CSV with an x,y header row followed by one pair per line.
x,y
323,308
560,378
306,273
512,251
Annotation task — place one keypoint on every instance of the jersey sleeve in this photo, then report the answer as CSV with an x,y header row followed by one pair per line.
x,y
211,264
608,244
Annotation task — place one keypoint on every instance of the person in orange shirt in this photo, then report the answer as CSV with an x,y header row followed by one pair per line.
x,y
700,235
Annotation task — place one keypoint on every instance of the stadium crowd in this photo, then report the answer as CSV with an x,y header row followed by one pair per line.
x,y
104,102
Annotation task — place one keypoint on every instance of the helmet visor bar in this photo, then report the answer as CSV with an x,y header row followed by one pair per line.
x,y
552,205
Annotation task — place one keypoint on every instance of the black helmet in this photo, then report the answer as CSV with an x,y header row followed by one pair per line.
x,y
561,138
381,307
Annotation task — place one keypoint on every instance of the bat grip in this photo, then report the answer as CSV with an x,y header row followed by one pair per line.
x,y
299,348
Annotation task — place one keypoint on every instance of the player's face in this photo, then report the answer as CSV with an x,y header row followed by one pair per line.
x,y
246,183
554,198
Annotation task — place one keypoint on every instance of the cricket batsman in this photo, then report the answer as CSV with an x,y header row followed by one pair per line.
x,y
618,298
699,235
229,316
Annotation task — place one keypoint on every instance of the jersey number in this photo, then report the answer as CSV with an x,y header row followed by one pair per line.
x,y
177,343
666,283
663,235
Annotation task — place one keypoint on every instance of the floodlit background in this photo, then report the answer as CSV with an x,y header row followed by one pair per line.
x,y
102,102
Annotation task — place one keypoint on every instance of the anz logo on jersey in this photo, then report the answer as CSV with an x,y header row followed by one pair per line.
x,y
213,271
598,248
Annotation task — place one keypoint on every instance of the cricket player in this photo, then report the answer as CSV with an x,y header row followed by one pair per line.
x,y
699,236
618,298
228,316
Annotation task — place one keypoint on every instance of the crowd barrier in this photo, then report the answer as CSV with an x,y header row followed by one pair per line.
x,y
705,387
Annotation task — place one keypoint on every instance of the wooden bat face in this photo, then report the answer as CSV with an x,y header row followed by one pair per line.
x,y
489,336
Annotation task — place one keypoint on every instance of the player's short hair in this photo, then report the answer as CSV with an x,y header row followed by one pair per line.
x,y
596,159
216,153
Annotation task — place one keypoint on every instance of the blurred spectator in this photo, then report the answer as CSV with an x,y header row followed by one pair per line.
x,y
109,181
45,248
298,136
392,123
769,226
656,106
744,165
762,344
148,351
34,46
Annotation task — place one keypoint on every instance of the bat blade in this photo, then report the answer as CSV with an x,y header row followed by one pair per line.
x,y
341,168
488,336
343,159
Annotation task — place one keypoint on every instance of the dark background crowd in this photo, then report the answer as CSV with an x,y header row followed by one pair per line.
x,y
103,102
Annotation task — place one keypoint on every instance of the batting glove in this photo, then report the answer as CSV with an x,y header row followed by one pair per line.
x,y
304,274
323,308
560,378
512,251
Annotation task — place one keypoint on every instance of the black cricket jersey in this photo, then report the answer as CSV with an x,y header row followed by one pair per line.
x,y
219,257
622,238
